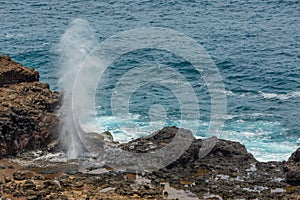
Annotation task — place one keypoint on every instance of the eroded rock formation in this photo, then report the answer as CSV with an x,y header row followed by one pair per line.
x,y
27,109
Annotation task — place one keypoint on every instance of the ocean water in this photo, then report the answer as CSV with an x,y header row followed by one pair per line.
x,y
254,44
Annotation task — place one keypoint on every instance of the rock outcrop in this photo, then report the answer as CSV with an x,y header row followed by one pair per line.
x,y
227,172
12,72
27,109
292,167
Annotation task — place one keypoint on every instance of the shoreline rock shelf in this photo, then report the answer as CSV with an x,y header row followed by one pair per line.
x,y
28,127
227,172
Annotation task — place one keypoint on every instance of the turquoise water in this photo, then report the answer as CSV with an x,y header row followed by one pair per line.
x,y
255,45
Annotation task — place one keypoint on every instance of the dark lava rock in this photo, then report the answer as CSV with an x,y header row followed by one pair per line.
x,y
155,141
27,109
292,167
295,157
224,154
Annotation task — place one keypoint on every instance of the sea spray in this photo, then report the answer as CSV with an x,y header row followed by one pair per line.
x,y
75,44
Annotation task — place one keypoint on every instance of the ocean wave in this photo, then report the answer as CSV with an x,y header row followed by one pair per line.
x,y
123,129
265,95
229,93
261,145
290,95
12,35
270,151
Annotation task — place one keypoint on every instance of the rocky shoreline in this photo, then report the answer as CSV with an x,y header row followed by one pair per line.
x,y
29,137
27,110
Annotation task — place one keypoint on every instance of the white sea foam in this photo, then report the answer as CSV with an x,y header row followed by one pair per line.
x,y
229,93
256,136
286,96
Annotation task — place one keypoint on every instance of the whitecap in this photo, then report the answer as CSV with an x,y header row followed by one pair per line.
x,y
229,93
286,96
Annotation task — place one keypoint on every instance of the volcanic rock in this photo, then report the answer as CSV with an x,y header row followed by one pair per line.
x,y
292,166
295,157
12,72
27,109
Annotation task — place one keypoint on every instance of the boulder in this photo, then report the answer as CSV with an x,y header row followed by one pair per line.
x,y
228,153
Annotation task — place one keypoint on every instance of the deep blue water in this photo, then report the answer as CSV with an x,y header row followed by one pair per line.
x,y
255,45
